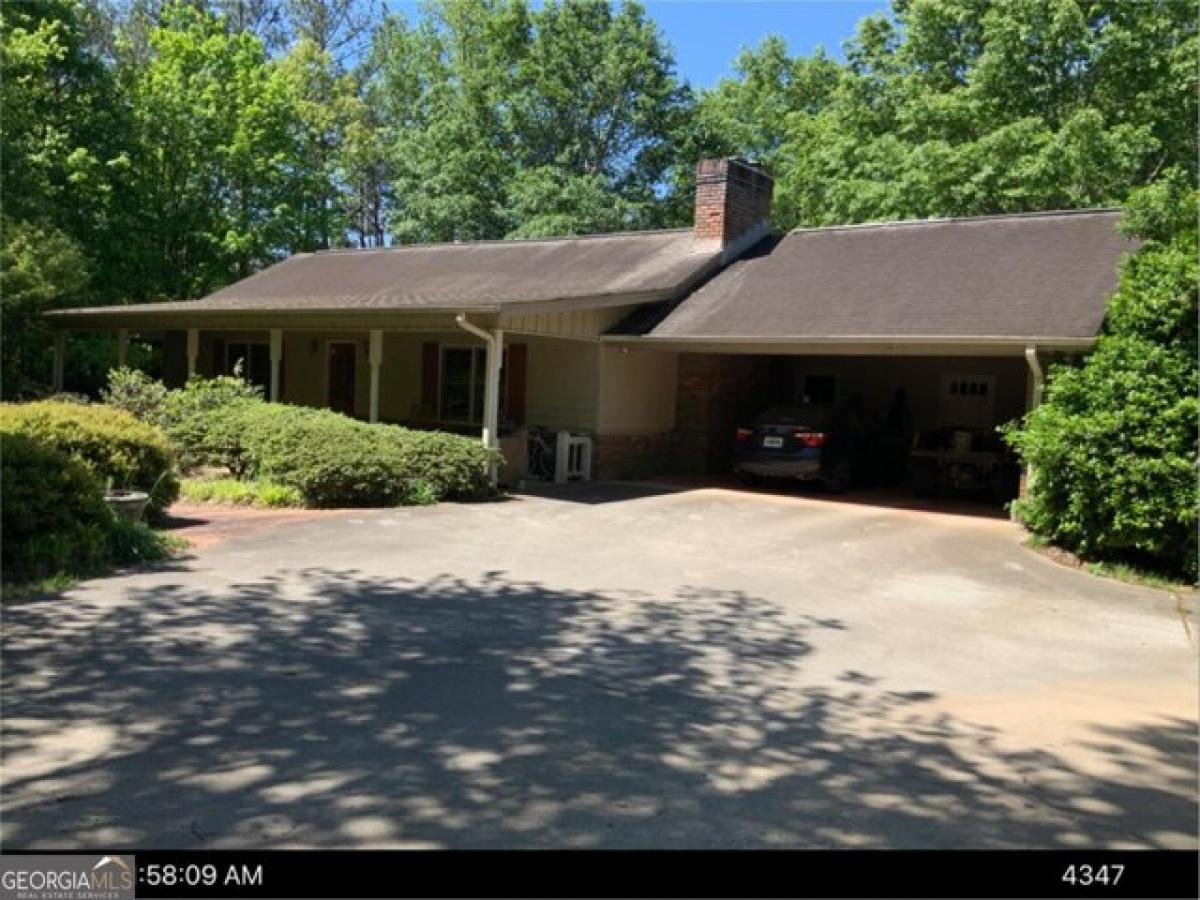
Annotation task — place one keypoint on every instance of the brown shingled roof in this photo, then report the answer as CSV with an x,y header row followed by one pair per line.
x,y
1030,275
480,275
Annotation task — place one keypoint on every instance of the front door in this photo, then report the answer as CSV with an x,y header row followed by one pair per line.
x,y
341,378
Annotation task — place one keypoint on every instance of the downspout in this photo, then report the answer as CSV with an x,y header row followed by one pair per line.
x,y
491,393
1038,375
1037,384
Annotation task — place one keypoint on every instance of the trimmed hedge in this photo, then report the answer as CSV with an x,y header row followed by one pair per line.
x,y
337,461
54,517
108,442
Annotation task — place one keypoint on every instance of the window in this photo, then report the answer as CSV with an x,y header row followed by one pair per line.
x,y
255,357
819,389
968,401
463,378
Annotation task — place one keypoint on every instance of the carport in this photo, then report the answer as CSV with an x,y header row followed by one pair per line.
x,y
953,321
918,397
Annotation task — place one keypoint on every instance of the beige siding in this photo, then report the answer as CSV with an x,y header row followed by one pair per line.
x,y
562,383
636,393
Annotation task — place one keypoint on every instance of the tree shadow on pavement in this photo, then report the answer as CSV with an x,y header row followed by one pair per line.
x,y
329,709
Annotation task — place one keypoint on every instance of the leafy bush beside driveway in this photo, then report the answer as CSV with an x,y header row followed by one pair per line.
x,y
110,443
1113,447
55,520
333,460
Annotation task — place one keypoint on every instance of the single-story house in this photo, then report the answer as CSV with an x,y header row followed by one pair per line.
x,y
658,343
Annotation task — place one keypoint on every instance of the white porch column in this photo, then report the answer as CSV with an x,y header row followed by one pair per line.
x,y
276,359
122,347
60,353
193,350
375,359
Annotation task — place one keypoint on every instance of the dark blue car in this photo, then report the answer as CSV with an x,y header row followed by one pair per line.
x,y
807,443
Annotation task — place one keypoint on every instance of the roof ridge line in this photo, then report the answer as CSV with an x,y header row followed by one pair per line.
x,y
497,241
893,223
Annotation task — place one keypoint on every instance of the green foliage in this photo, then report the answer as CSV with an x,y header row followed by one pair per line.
x,y
508,120
240,493
40,268
136,543
137,393
333,460
967,107
111,444
1114,444
185,420
54,519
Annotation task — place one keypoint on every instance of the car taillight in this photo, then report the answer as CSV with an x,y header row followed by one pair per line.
x,y
811,438
743,435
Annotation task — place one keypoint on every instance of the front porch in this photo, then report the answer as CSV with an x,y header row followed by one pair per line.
x,y
457,372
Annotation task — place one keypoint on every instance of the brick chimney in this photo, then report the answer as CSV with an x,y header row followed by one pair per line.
x,y
733,203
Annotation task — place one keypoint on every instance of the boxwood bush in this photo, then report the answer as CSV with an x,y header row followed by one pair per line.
x,y
337,461
54,517
108,442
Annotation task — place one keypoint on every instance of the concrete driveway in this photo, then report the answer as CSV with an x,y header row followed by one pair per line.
x,y
614,667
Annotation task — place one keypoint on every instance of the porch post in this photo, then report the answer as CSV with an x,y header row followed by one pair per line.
x,y
375,359
60,353
122,347
193,350
276,358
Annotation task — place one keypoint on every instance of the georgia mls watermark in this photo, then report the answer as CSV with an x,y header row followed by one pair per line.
x,y
75,877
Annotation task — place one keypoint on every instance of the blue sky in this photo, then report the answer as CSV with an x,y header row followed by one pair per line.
x,y
707,34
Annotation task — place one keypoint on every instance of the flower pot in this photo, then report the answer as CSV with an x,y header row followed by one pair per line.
x,y
128,505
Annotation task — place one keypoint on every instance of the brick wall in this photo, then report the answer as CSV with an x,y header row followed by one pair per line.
x,y
716,393
631,455
732,197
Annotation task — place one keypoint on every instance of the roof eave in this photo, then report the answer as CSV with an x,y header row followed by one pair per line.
x,y
861,344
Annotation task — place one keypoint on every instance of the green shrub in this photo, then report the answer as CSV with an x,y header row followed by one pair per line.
x,y
134,543
1113,447
333,460
138,394
54,517
109,442
453,466
185,414
240,493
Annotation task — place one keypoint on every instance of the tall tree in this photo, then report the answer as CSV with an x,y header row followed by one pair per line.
x,y
64,168
518,121
214,137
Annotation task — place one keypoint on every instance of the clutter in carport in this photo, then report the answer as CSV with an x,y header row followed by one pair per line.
x,y
957,462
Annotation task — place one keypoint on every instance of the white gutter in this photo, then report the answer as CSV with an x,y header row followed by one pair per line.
x,y
494,341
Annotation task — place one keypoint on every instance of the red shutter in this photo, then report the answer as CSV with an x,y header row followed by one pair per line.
x,y
514,404
429,377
